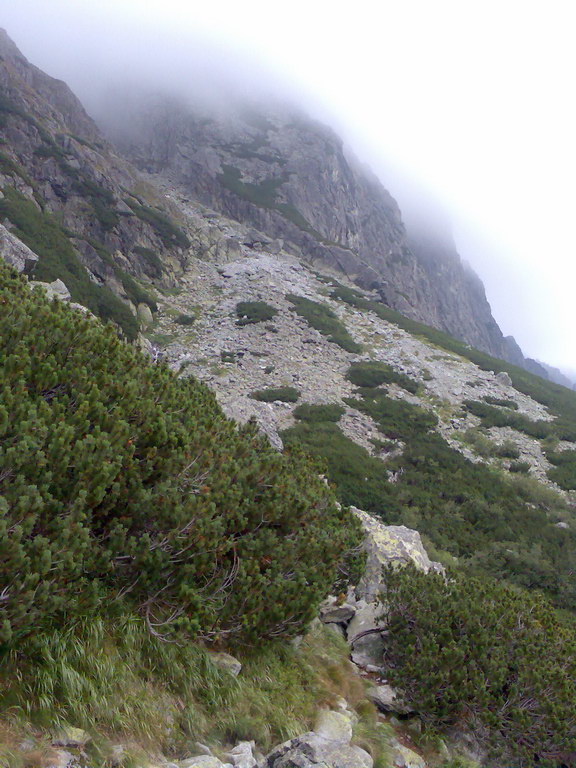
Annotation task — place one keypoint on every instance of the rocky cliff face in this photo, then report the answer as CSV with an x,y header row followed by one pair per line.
x,y
292,178
65,193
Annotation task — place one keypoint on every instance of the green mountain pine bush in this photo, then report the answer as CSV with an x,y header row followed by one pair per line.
x,y
124,488
478,654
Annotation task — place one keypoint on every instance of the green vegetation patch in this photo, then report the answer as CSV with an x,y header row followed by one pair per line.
x,y
125,491
501,402
564,470
371,373
360,478
396,419
317,413
495,417
271,394
251,312
58,259
184,319
323,319
262,194
171,235
558,399
469,651
465,509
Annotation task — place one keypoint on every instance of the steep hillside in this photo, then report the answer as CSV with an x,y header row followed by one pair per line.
x,y
293,179
80,208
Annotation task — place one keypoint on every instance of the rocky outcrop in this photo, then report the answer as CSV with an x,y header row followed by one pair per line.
x,y
389,545
54,160
14,252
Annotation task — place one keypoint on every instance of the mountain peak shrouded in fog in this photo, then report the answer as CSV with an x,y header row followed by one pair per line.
x,y
406,85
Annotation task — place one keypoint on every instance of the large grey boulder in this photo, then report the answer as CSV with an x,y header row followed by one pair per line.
x,y
385,545
504,378
14,252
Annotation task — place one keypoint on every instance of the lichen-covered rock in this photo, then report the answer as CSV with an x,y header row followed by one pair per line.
x,y
404,757
334,726
70,737
385,545
227,662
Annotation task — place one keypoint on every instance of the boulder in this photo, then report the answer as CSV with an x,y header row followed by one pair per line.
x,y
367,617
403,757
368,652
504,379
242,755
58,758
227,662
334,726
14,252
144,314
73,738
312,750
387,700
331,612
202,761
385,545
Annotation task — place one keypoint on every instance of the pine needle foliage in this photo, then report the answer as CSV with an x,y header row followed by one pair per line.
x,y
123,488
478,654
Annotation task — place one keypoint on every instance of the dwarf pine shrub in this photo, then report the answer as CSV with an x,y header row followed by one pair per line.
x,y
124,488
472,653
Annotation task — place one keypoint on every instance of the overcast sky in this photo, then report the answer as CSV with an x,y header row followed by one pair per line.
x,y
472,100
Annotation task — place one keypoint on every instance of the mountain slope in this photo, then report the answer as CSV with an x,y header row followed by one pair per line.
x,y
293,179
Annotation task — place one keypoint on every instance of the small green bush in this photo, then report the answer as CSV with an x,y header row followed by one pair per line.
x,y
564,471
507,450
317,413
471,652
323,319
371,373
502,403
183,319
270,395
519,466
250,312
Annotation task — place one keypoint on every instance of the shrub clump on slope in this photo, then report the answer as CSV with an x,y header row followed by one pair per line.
x,y
478,654
124,488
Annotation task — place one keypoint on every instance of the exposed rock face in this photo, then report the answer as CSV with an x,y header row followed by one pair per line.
x,y
55,159
14,252
292,178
